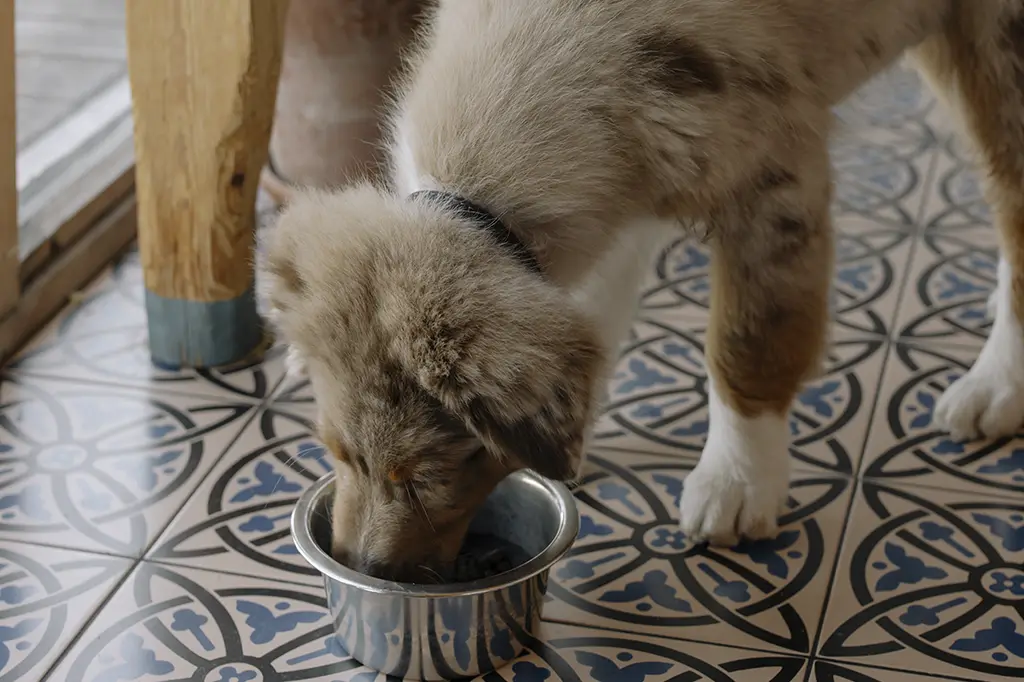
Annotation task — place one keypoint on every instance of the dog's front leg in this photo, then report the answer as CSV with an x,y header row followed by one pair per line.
x,y
771,267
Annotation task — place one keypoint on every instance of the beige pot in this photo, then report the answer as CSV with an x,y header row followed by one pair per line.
x,y
339,59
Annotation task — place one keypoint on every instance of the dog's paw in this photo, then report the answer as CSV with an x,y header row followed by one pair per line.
x,y
730,496
988,401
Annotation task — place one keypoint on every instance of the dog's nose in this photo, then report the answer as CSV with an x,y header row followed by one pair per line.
x,y
382,570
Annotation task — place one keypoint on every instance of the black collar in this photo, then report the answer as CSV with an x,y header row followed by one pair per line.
x,y
484,219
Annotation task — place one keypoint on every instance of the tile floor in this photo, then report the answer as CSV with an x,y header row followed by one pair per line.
x,y
144,514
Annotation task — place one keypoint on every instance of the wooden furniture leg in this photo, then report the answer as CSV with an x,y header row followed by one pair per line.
x,y
9,260
204,80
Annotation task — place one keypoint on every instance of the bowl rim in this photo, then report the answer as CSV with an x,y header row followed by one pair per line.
x,y
560,544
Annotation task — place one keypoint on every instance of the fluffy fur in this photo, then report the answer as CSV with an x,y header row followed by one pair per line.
x,y
592,127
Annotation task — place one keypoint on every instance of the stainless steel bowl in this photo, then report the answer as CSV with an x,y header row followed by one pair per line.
x,y
439,632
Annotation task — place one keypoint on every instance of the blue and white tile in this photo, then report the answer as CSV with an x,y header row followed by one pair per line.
x,y
167,623
897,100
883,149
905,445
238,519
870,260
930,582
956,199
658,396
954,266
100,467
46,596
951,276
633,570
829,671
102,337
566,653
175,624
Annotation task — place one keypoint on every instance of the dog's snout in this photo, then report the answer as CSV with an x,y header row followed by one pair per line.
x,y
399,572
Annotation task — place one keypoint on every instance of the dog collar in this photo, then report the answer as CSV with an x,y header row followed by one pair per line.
x,y
485,220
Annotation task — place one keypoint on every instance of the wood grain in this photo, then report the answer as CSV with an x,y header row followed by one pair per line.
x,y
204,80
9,285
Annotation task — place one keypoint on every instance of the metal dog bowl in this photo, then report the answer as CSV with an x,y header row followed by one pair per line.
x,y
439,632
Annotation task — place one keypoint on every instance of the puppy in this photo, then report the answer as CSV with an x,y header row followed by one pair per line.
x,y
460,323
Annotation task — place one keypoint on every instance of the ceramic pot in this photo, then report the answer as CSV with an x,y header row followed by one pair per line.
x,y
339,59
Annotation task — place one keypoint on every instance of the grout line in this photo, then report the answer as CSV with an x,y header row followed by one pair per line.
x,y
873,410
154,388
258,410
87,623
182,565
137,561
855,664
1000,495
5,539
668,638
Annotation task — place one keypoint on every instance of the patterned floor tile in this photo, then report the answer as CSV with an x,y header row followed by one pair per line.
x,y
46,596
956,201
102,467
573,654
954,267
931,582
102,337
828,671
658,396
870,260
238,519
882,150
905,446
897,100
176,624
951,276
171,624
632,569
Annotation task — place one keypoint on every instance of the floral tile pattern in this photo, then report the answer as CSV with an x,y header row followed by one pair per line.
x,y
931,582
905,446
632,568
46,596
100,467
144,513
657,398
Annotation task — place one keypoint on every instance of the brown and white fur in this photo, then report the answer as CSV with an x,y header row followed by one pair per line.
x,y
593,128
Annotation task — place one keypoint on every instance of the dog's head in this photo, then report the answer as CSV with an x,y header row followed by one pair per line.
x,y
439,364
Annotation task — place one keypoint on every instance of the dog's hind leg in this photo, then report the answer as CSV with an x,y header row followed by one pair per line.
x,y
978,64
771,267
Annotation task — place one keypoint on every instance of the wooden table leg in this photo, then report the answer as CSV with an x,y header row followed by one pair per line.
x,y
9,261
204,80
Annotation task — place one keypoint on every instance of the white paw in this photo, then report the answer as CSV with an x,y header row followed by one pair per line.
x,y
722,505
988,401
740,485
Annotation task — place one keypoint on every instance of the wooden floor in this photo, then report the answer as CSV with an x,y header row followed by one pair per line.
x,y
68,51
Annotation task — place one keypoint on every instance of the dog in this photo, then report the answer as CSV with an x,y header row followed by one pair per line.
x,y
459,321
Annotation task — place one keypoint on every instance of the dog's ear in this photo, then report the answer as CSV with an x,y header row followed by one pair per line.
x,y
539,421
522,374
